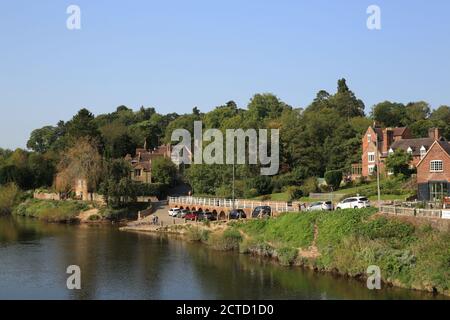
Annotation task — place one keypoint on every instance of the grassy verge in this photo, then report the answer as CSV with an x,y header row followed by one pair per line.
x,y
349,241
51,211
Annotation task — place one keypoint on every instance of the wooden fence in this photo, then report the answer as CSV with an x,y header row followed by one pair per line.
x,y
411,212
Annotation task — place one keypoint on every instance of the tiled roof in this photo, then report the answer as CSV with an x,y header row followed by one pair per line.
x,y
398,131
414,144
445,145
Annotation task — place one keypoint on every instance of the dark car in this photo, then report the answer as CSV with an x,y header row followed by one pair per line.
x,y
210,216
237,214
262,212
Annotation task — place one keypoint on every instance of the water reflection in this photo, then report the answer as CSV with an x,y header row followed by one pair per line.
x,y
118,265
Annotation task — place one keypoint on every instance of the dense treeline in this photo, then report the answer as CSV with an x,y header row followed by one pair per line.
x,y
324,136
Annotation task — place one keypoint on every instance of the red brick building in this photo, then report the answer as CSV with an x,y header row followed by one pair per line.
x,y
433,172
379,143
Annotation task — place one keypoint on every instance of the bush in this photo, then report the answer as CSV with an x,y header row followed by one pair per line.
x,y
287,255
9,197
196,234
309,186
334,178
262,185
294,193
51,211
228,240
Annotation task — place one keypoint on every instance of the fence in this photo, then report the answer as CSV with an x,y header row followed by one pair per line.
x,y
411,212
277,206
327,196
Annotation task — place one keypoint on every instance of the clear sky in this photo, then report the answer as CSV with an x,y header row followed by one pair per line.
x,y
174,55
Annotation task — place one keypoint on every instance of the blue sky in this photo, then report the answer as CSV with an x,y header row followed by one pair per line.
x,y
175,55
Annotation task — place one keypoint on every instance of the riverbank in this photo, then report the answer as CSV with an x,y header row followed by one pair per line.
x,y
347,242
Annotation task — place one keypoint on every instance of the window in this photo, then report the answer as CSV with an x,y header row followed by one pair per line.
x,y
438,190
137,172
369,138
410,150
423,152
436,166
391,151
371,156
371,169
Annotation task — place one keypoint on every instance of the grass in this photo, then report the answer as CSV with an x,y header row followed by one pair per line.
x,y
51,211
350,241
291,229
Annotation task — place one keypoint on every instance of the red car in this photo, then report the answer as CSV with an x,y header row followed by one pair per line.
x,y
192,216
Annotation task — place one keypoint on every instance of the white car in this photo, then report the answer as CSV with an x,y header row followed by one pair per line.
x,y
321,206
353,203
174,212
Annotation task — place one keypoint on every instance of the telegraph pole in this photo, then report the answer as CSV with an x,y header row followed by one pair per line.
x,y
378,176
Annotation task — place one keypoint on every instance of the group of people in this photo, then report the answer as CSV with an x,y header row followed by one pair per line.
x,y
155,219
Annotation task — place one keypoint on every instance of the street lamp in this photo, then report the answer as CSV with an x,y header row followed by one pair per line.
x,y
378,175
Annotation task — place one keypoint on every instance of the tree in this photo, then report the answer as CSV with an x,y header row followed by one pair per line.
x,y
163,171
334,178
83,125
267,105
41,140
82,161
389,114
398,162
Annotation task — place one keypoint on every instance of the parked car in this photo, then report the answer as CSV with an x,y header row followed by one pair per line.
x,y
183,213
174,211
237,214
191,216
353,203
210,216
262,212
321,206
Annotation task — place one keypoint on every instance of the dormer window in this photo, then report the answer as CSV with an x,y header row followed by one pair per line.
x,y
391,151
410,150
423,152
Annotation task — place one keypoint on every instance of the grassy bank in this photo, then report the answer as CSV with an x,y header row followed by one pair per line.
x,y
346,242
51,211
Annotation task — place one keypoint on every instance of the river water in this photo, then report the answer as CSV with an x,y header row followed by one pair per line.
x,y
34,257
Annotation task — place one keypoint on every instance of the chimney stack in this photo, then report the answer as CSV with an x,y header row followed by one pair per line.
x,y
435,133
388,138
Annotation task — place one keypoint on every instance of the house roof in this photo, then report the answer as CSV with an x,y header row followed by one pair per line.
x,y
414,144
398,131
445,146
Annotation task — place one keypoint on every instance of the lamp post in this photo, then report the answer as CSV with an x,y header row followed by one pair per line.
x,y
378,175
233,185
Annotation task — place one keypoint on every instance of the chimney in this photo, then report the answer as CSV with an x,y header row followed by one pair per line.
x,y
435,133
388,138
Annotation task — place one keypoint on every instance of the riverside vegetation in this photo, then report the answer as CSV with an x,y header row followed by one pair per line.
x,y
345,242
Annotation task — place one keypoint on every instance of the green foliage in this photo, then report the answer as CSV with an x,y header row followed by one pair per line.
x,y
9,197
51,211
294,193
398,162
196,234
334,178
164,171
287,255
291,229
309,186
226,241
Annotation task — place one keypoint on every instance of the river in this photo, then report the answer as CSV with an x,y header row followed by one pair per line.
x,y
34,257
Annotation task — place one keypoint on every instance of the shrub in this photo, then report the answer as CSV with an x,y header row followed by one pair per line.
x,y
287,255
333,178
226,241
196,234
51,211
294,193
9,196
309,186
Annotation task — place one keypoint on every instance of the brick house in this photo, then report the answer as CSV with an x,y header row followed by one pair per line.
x,y
433,172
379,143
141,163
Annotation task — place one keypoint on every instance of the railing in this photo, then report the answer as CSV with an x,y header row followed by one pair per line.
x,y
277,206
412,212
